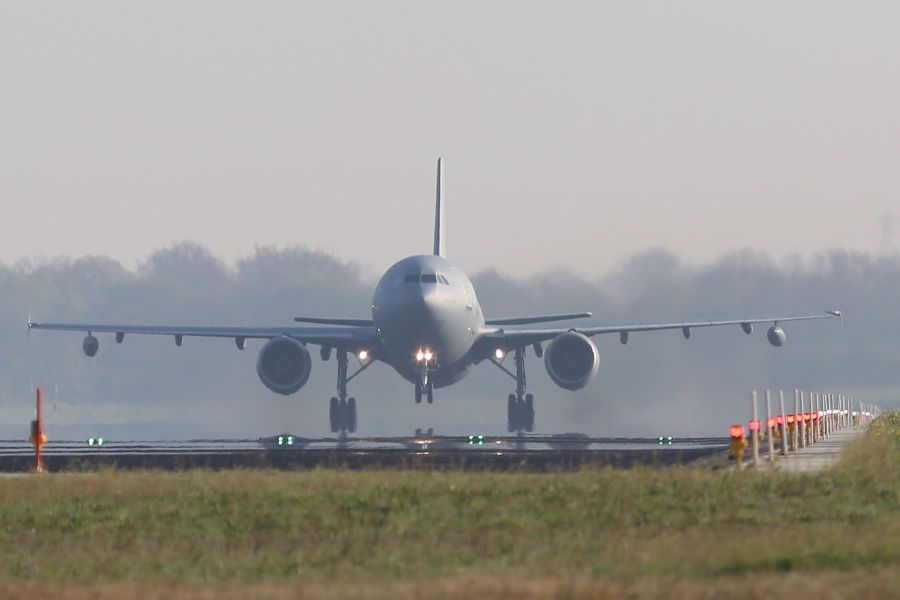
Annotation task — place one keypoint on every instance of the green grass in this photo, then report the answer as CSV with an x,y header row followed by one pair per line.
x,y
404,533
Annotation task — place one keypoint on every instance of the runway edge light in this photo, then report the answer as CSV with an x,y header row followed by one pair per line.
x,y
37,432
738,445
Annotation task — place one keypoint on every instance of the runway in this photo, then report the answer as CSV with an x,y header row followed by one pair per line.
x,y
526,452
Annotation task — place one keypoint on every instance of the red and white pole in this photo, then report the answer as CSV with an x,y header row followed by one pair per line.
x,y
37,432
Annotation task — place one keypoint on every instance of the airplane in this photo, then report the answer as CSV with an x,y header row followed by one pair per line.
x,y
428,325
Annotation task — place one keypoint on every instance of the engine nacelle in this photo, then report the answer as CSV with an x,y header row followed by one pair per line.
x,y
776,336
90,345
283,365
572,360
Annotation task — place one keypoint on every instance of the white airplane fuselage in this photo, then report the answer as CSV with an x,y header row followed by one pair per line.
x,y
423,305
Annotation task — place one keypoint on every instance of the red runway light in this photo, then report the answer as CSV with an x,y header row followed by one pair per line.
x,y
807,417
754,425
790,419
779,420
771,423
737,432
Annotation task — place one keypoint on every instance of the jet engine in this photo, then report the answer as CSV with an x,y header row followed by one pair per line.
x,y
776,336
283,365
90,345
572,360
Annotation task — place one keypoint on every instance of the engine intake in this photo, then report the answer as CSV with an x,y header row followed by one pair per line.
x,y
90,345
283,365
776,336
571,360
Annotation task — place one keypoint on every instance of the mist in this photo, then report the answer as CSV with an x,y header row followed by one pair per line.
x,y
660,383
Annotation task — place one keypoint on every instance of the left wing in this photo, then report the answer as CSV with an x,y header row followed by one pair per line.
x,y
523,337
348,338
538,319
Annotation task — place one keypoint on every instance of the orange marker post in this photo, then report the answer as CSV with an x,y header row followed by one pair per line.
x,y
738,445
37,433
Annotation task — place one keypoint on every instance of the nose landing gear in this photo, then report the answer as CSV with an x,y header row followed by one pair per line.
x,y
424,387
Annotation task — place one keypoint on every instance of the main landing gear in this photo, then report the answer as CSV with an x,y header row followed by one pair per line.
x,y
519,406
341,409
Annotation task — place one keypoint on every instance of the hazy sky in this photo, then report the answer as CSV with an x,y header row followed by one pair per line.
x,y
574,134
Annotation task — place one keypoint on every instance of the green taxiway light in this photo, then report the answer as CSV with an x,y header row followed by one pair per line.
x,y
476,439
665,440
95,441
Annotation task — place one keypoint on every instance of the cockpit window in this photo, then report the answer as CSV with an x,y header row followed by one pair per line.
x,y
426,278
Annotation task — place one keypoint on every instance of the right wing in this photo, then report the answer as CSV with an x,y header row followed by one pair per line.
x,y
349,338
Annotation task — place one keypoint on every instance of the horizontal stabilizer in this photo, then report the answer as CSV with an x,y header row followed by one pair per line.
x,y
326,321
540,319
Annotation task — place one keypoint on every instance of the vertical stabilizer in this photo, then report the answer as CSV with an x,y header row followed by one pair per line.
x,y
439,242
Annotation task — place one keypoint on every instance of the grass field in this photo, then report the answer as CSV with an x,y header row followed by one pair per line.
x,y
673,532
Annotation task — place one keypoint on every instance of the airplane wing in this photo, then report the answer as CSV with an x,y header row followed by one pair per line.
x,y
538,319
511,338
337,337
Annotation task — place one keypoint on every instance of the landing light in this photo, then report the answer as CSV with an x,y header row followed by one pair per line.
x,y
428,355
420,356
498,353
363,355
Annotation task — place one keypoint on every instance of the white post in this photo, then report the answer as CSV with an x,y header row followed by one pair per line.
x,y
783,424
816,422
834,412
754,435
801,428
830,411
770,432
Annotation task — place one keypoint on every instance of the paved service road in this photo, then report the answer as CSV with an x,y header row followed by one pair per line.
x,y
821,455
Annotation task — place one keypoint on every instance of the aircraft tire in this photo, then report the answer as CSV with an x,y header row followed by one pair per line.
x,y
528,410
351,415
512,414
334,415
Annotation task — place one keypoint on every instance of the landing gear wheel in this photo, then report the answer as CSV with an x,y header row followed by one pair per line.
x,y
429,393
334,415
418,395
512,414
344,413
528,410
351,415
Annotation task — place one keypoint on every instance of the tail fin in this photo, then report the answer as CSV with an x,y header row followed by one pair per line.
x,y
439,242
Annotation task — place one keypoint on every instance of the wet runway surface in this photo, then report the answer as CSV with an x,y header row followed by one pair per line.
x,y
528,452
